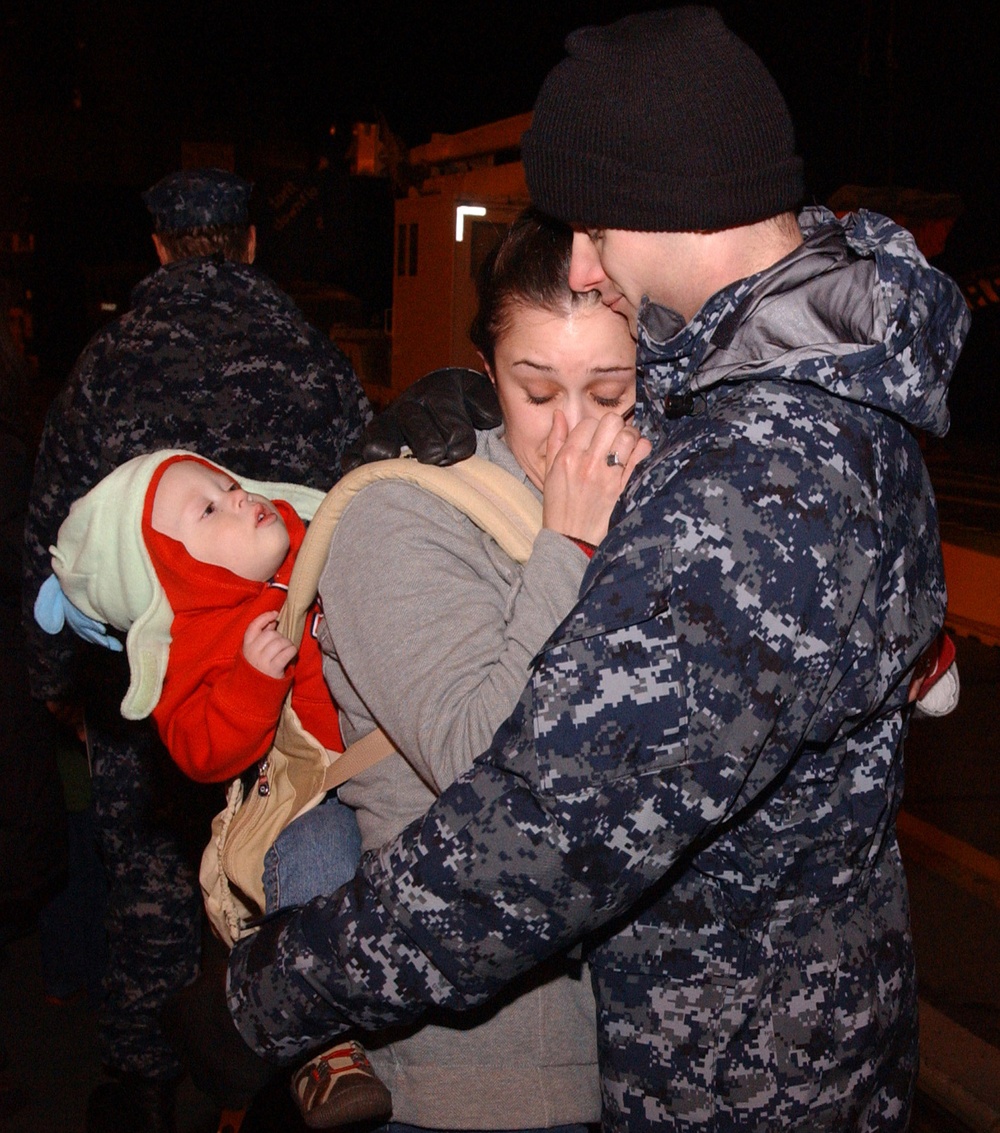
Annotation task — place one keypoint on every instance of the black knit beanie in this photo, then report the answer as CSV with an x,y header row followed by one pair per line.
x,y
661,122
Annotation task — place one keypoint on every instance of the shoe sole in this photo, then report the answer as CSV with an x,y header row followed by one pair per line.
x,y
350,1102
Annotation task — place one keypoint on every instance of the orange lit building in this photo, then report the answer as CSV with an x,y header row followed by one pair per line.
x,y
470,187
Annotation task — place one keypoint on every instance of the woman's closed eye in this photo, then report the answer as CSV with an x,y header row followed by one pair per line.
x,y
609,402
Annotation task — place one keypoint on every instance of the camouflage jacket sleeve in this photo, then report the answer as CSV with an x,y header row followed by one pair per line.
x,y
508,864
67,465
713,623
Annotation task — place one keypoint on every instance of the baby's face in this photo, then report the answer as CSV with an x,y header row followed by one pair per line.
x,y
218,522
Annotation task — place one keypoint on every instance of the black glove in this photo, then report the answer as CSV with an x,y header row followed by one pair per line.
x,y
436,417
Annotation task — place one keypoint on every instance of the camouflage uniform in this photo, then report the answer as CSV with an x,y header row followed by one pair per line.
x,y
702,777
215,358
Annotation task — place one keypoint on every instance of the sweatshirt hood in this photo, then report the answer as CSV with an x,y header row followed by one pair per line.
x,y
855,310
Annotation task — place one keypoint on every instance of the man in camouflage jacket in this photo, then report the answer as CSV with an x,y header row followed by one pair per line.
x,y
212,357
701,780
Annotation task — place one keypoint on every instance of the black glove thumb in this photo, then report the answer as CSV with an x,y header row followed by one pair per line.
x,y
381,440
436,418
480,397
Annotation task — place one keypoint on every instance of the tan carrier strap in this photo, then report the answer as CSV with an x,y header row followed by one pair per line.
x,y
363,753
301,770
494,500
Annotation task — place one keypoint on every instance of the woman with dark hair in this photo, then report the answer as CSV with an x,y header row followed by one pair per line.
x,y
430,631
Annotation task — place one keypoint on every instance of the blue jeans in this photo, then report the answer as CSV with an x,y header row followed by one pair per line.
x,y
315,854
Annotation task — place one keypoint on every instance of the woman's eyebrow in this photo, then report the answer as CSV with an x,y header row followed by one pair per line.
x,y
540,366
615,369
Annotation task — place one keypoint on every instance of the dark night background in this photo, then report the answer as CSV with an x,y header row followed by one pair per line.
x,y
97,97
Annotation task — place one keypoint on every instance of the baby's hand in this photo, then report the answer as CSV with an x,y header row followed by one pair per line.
x,y
267,650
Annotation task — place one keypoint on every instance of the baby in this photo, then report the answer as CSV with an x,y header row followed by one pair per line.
x,y
172,549
224,557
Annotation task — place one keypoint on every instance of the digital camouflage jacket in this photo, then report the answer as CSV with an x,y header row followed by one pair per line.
x,y
702,777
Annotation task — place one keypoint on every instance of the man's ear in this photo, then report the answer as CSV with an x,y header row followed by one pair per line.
x,y
251,243
161,252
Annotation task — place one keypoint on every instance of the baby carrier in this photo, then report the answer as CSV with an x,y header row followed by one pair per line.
x,y
298,771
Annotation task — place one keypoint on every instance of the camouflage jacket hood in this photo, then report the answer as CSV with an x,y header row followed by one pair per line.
x,y
891,343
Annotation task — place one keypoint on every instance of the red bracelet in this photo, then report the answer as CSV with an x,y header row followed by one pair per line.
x,y
587,548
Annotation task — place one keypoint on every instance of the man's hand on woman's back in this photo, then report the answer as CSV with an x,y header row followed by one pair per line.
x,y
436,418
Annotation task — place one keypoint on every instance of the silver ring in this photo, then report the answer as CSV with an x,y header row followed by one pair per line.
x,y
613,460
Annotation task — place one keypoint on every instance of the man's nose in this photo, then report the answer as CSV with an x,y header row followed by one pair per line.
x,y
585,271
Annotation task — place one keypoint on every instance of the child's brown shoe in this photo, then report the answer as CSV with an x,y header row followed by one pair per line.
x,y
338,1087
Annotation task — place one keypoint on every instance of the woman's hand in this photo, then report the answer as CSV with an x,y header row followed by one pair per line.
x,y
581,487
267,650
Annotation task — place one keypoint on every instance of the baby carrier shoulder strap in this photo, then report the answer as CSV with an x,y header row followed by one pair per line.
x,y
498,503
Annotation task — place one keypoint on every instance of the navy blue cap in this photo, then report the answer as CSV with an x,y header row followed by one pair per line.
x,y
198,198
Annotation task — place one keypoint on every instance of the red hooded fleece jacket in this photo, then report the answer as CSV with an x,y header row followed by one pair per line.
x,y
217,714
